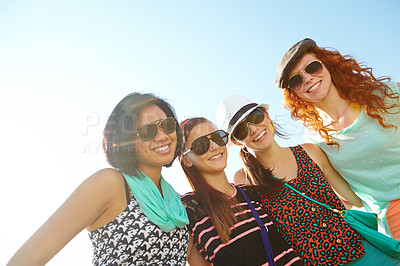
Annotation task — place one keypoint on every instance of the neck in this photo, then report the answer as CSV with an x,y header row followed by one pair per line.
x,y
334,108
279,160
154,173
220,182
336,111
269,156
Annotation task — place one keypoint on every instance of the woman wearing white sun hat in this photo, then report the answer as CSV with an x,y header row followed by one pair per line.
x,y
319,236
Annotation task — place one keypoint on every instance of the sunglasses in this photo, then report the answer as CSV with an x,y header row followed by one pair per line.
x,y
201,145
149,131
242,130
295,83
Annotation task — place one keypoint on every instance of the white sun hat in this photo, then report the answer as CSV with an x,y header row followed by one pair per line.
x,y
233,109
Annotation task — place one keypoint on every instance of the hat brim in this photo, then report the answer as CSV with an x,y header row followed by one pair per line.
x,y
230,142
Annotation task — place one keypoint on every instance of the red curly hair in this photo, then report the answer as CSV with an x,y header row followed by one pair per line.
x,y
355,83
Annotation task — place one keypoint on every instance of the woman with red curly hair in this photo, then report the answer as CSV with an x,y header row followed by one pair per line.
x,y
354,117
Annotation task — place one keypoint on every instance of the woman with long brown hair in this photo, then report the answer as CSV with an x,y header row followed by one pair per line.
x,y
354,117
226,223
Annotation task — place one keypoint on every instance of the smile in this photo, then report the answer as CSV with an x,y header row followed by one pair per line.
x,y
162,148
314,87
259,136
215,157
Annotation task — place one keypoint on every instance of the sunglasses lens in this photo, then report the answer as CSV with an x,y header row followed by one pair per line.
x,y
200,145
220,137
241,131
295,82
314,68
168,125
148,132
255,117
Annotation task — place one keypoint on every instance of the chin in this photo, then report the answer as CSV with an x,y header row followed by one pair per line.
x,y
168,159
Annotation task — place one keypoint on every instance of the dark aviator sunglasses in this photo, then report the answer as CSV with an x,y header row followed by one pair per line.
x,y
201,145
149,131
242,130
295,82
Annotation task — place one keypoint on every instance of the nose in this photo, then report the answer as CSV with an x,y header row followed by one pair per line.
x,y
252,128
213,145
161,135
306,77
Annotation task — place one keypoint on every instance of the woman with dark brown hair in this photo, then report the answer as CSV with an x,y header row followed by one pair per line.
x,y
134,217
227,225
354,117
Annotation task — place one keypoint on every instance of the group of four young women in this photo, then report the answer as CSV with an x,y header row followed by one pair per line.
x,y
135,217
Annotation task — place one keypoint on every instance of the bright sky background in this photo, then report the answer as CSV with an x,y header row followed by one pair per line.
x,y
64,65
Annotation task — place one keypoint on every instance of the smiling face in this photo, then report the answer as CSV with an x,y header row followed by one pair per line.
x,y
260,136
314,87
160,150
214,160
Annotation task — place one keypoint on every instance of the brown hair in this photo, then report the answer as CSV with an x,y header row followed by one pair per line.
x,y
216,204
257,174
354,82
120,130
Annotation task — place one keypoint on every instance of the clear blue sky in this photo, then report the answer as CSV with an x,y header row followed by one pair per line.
x,y
64,65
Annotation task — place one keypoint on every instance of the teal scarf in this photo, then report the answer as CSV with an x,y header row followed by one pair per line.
x,y
167,212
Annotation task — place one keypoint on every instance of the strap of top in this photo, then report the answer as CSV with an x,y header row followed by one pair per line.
x,y
127,192
263,228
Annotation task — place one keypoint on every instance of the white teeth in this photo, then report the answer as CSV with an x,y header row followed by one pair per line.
x,y
259,136
163,148
313,87
216,156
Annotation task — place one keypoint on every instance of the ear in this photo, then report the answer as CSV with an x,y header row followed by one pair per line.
x,y
186,162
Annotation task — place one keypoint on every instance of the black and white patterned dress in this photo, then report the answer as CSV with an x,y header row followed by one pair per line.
x,y
132,239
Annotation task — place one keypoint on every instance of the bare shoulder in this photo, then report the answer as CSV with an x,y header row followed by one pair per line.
x,y
105,180
107,175
316,153
311,148
240,177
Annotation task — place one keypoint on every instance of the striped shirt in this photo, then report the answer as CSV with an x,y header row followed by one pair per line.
x,y
245,245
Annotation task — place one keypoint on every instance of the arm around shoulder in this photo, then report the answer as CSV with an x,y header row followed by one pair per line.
x,y
81,209
337,182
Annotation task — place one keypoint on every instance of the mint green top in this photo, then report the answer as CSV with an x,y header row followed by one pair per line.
x,y
368,158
